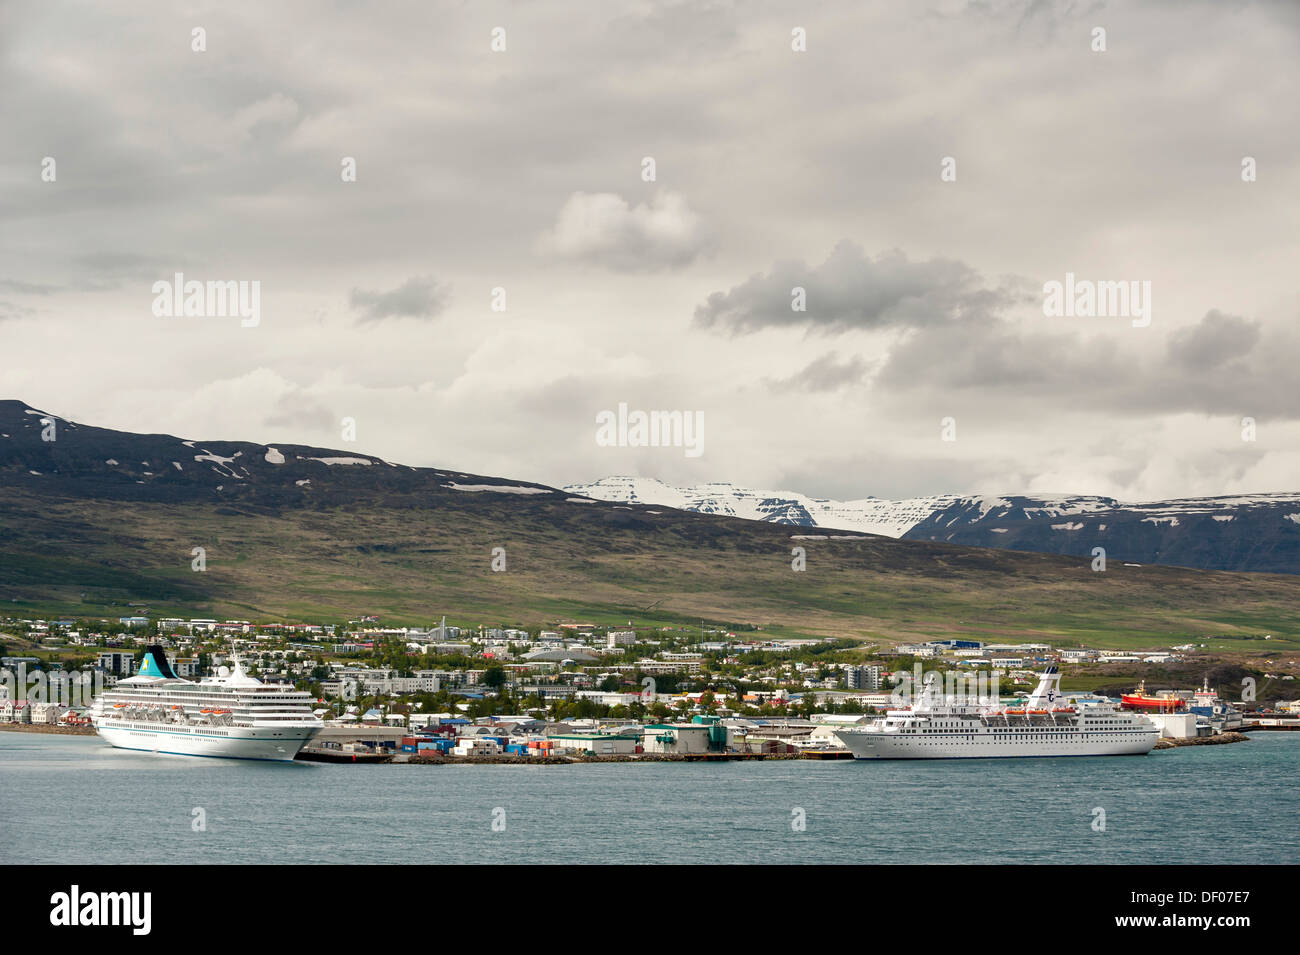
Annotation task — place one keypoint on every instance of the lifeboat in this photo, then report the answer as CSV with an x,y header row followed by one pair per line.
x,y
118,706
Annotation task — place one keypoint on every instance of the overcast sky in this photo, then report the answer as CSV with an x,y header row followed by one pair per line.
x,y
774,168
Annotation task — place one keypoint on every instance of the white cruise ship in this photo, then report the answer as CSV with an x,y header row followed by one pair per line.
x,y
232,714
935,728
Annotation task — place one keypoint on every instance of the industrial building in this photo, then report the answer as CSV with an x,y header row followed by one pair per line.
x,y
596,744
684,737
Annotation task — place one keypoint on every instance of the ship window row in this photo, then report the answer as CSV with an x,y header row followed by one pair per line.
x,y
153,729
976,742
1022,735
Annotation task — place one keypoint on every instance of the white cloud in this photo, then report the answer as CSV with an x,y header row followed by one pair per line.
x,y
603,229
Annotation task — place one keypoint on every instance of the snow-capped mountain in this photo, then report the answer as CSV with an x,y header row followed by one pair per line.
x,y
871,515
1258,532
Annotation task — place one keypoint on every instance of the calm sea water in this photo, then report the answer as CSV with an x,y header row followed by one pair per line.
x,y
72,799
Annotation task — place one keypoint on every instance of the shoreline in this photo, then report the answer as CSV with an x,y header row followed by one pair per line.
x,y
48,728
408,759
1221,739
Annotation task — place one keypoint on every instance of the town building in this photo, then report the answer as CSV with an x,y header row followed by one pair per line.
x,y
118,662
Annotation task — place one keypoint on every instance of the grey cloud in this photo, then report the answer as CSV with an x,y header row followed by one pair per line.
x,y
1216,339
298,411
876,471
419,297
123,263
997,356
14,285
1002,364
98,271
29,288
851,290
565,399
11,310
957,337
826,373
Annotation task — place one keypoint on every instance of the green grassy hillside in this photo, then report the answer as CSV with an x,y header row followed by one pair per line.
x,y
413,564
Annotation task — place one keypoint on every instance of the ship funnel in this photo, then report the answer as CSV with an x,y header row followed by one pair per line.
x,y
155,664
1048,691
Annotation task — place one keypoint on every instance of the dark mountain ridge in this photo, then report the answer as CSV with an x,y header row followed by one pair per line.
x,y
1256,532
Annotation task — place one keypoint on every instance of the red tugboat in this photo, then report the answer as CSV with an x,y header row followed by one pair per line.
x,y
1138,700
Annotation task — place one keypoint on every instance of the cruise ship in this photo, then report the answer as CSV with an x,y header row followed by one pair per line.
x,y
1047,725
232,714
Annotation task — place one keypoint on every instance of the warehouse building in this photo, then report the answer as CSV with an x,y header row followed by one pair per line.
x,y
683,737
597,744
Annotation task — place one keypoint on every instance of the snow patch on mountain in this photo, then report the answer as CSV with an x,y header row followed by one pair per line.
x,y
946,514
498,488
333,461
870,515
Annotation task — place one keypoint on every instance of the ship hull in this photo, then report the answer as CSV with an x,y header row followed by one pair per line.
x,y
1153,704
867,745
234,742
